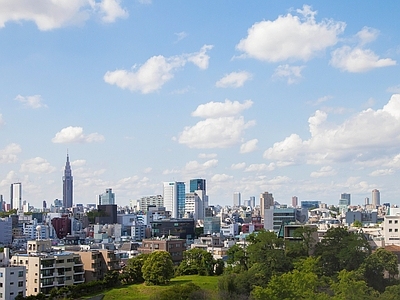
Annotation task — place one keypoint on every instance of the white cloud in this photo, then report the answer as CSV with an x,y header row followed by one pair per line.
x,y
221,109
324,172
155,72
172,171
290,37
220,129
34,101
78,163
249,146
180,36
394,89
279,180
50,14
367,35
291,73
201,58
208,155
37,165
238,166
221,178
75,135
195,166
382,172
9,153
234,80
215,133
147,170
260,167
358,60
363,137
111,10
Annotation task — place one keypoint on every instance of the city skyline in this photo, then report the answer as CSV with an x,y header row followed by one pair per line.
x,y
145,92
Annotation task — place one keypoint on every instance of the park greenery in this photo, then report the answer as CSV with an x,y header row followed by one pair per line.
x,y
340,266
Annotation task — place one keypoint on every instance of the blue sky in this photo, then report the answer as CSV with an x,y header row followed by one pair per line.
x,y
294,98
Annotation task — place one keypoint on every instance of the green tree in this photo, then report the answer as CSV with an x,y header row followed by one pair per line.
x,y
357,223
375,267
158,268
350,287
178,292
341,249
196,261
237,258
391,293
132,272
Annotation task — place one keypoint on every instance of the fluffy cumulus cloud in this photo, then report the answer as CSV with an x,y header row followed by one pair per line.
x,y
75,135
365,136
260,167
234,79
323,172
197,168
9,153
221,178
295,37
291,73
222,127
155,72
358,59
37,165
221,109
50,14
238,166
34,101
249,146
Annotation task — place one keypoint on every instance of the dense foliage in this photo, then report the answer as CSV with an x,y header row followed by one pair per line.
x,y
158,268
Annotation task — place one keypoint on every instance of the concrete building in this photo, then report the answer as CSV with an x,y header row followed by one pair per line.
x,y
182,228
212,225
174,198
376,198
154,201
16,196
347,197
107,198
47,269
12,278
237,199
196,185
266,202
173,246
295,201
391,227
365,217
6,231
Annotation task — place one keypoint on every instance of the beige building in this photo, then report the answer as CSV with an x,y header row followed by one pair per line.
x,y
174,246
97,262
46,269
266,202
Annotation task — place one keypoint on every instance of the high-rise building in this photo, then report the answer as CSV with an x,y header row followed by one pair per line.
x,y
295,201
237,201
266,202
67,185
174,198
145,202
16,196
107,198
197,184
376,197
346,197
252,201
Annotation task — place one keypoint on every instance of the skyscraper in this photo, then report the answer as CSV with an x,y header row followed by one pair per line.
x,y
347,197
237,201
197,184
376,197
67,185
107,198
266,202
174,198
16,196
295,201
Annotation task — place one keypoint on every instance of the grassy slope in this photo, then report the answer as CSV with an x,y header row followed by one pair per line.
x,y
141,291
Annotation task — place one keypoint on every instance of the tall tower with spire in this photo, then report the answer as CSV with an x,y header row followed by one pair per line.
x,y
67,185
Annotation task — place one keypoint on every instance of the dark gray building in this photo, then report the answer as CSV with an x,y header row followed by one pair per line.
x,y
67,185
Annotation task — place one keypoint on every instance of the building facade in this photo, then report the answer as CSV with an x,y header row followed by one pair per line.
x,y
16,196
376,197
174,198
153,201
197,184
107,198
266,202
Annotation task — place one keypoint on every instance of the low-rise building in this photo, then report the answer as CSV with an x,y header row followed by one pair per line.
x,y
173,246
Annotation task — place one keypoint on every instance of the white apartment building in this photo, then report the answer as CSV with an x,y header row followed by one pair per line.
x,y
391,228
12,279
145,202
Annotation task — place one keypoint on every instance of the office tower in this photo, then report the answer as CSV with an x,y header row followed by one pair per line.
x,y
1,203
107,198
144,202
174,198
266,202
67,185
347,197
197,184
295,201
376,197
237,201
44,204
16,196
252,201
366,201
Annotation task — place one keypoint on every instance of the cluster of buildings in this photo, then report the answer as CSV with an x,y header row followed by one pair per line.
x,y
65,243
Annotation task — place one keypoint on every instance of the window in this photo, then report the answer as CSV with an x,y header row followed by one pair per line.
x,y
26,262
20,283
11,283
1,284
396,221
11,273
1,295
390,230
390,221
35,290
20,273
1,274
35,280
396,230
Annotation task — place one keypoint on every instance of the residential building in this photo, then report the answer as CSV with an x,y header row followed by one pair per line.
x,y
16,196
47,269
68,185
153,201
173,246
174,198
107,198
12,278
391,227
